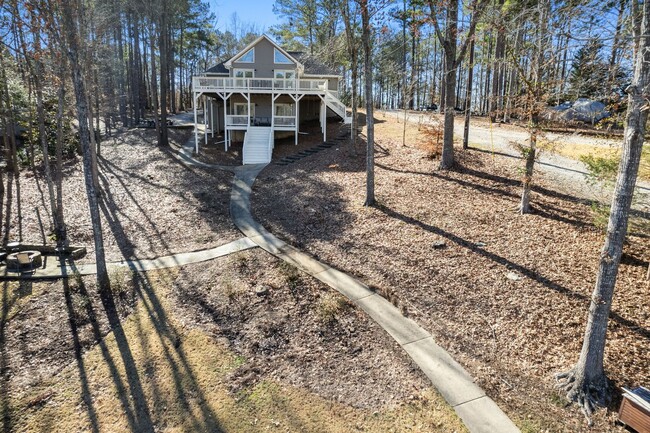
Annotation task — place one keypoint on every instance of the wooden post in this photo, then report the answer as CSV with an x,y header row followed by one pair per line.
x,y
297,101
196,126
248,99
273,110
324,108
225,124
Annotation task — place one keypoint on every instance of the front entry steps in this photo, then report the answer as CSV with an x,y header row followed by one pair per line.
x,y
258,145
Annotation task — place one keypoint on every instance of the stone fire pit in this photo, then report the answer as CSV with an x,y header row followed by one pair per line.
x,y
14,262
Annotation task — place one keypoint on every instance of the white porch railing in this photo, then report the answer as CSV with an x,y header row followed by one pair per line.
x,y
284,121
236,120
206,84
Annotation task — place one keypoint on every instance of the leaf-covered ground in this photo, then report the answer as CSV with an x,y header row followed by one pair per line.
x,y
238,344
506,294
151,206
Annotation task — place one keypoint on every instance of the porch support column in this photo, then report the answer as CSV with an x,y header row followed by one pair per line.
x,y
225,123
213,118
273,110
323,118
249,109
296,99
324,122
205,119
196,133
297,119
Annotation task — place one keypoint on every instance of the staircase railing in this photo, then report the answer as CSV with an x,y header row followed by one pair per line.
x,y
336,105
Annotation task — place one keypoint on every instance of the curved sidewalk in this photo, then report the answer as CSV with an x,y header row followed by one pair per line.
x,y
171,261
479,412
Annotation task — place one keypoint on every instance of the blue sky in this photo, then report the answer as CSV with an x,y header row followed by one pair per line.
x,y
258,12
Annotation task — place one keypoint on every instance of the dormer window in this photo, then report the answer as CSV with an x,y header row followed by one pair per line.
x,y
280,58
248,57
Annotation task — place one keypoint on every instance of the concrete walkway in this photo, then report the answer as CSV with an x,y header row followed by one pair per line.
x,y
479,412
55,270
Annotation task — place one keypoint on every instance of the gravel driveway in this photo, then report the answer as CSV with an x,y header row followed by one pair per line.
x,y
568,174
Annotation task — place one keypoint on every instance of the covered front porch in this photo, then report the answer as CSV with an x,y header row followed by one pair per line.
x,y
213,150
229,115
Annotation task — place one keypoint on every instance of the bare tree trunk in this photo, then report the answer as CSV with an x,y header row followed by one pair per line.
x,y
370,121
344,6
530,154
535,89
447,159
613,67
586,383
468,99
72,36
181,103
453,57
499,52
120,69
163,139
38,80
12,160
154,81
61,230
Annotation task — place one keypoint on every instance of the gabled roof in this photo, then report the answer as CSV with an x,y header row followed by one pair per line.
x,y
219,69
313,66
228,64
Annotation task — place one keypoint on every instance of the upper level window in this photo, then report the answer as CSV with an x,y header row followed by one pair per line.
x,y
248,57
279,57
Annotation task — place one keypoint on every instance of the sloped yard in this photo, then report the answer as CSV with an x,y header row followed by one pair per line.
x,y
241,343
506,294
151,205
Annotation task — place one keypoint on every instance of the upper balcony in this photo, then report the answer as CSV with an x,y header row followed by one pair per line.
x,y
260,85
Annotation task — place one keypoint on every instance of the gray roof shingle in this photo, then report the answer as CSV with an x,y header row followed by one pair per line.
x,y
312,65
217,69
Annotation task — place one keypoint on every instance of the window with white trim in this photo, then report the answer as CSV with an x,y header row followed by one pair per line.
x,y
284,109
248,57
241,109
280,58
286,74
243,73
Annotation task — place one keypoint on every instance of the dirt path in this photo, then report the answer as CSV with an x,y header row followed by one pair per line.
x,y
568,174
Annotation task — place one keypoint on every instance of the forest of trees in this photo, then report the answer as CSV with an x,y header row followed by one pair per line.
x,y
74,71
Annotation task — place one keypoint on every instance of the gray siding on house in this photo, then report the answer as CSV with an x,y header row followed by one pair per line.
x,y
264,61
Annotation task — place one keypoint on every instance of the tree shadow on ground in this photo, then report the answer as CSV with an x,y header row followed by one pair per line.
x,y
533,275
186,384
307,188
144,203
5,391
545,210
547,164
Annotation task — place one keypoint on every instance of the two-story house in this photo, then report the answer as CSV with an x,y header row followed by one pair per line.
x,y
264,91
